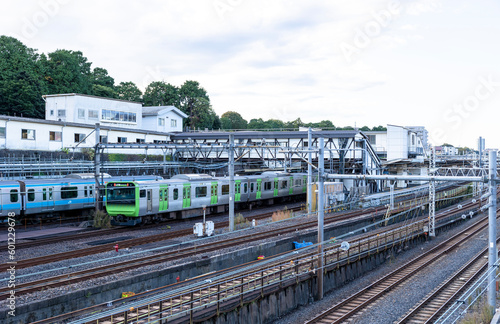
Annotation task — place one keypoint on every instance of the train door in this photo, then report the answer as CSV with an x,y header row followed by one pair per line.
x,y
304,184
276,182
259,188
186,195
163,197
149,195
237,190
213,193
47,198
290,186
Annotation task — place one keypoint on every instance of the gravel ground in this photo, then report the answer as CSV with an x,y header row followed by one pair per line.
x,y
42,271
399,301
392,307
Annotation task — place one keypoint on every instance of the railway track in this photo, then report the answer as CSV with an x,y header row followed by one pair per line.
x,y
213,296
101,232
355,304
166,256
303,268
435,304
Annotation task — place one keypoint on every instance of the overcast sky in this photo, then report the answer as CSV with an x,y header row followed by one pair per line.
x,y
431,63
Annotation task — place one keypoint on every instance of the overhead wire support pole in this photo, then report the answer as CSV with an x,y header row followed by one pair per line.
x,y
321,214
231,182
432,195
492,229
309,171
97,168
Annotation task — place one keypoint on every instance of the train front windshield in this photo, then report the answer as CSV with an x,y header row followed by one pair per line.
x,y
121,193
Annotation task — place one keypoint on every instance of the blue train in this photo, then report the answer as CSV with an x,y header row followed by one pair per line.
x,y
38,198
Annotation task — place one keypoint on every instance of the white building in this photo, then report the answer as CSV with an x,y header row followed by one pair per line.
x,y
70,120
86,109
403,143
162,118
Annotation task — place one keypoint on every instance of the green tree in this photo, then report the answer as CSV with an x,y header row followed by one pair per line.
x,y
100,76
190,93
256,124
364,129
103,91
233,120
159,93
379,128
128,91
21,88
67,72
203,116
294,123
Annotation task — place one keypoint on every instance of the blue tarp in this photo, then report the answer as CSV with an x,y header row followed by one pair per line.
x,y
301,245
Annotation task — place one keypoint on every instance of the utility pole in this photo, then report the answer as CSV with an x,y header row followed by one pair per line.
x,y
97,164
231,182
321,214
432,195
309,171
492,229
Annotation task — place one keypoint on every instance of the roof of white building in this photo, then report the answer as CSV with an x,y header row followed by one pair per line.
x,y
156,110
85,95
63,123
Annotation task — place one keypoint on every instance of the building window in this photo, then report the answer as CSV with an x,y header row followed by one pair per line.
x,y
159,142
140,140
122,140
55,136
372,139
28,134
52,112
173,123
61,113
161,121
81,113
79,138
2,132
93,114
113,115
103,139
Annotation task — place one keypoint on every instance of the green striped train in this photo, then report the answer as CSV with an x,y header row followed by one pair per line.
x,y
183,196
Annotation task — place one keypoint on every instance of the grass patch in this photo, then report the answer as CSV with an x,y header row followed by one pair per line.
x,y
282,214
102,219
241,222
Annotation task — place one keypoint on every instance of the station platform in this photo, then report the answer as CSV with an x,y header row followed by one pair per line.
x,y
26,235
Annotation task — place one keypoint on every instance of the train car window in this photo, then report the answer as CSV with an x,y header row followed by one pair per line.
x,y
251,187
297,183
14,197
267,185
69,192
85,192
225,189
44,194
31,194
50,193
142,193
161,195
284,184
245,188
176,194
90,191
201,192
